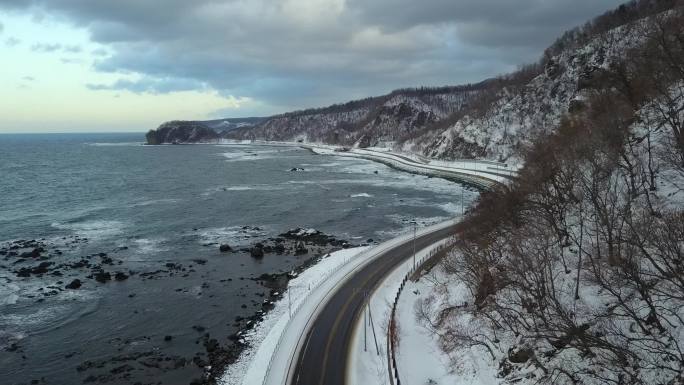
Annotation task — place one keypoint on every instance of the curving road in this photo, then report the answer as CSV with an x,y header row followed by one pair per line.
x,y
323,357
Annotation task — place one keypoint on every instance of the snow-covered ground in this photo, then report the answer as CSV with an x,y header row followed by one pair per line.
x,y
420,360
418,356
369,363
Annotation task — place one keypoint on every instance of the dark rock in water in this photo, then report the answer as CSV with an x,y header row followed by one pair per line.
x,y
75,284
224,248
296,169
168,338
42,268
35,253
102,276
119,276
257,251
279,248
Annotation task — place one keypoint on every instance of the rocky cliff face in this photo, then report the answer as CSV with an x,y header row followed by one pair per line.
x,y
384,119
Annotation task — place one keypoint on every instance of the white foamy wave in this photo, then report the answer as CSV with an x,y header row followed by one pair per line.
x,y
235,234
256,187
8,337
38,317
361,195
235,156
331,164
364,168
150,245
156,202
452,208
9,293
96,229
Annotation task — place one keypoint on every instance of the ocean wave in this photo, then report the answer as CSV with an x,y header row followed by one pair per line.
x,y
233,235
150,245
95,229
361,195
254,187
156,202
235,156
9,293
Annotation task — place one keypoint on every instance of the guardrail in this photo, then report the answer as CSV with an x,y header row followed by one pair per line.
x,y
392,367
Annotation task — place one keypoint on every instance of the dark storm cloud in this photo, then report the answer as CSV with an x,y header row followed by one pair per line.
x,y
487,22
296,53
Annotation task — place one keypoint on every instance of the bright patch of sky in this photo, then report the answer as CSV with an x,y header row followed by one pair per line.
x,y
47,68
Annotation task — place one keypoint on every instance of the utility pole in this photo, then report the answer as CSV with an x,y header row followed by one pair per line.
x,y
414,243
370,315
365,348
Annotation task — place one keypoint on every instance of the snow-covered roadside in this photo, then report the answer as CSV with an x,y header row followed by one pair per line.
x,y
369,363
251,367
419,357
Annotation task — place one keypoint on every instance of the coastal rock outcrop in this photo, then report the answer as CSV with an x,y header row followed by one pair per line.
x,y
179,132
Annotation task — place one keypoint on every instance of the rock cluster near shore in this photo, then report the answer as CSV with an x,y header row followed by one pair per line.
x,y
60,267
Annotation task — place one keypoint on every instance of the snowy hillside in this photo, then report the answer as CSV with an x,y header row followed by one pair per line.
x,y
389,118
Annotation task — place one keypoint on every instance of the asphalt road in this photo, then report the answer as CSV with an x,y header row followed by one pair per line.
x,y
324,354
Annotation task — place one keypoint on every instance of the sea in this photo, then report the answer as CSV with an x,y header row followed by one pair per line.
x,y
158,214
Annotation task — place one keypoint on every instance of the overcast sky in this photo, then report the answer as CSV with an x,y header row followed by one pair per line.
x,y
128,65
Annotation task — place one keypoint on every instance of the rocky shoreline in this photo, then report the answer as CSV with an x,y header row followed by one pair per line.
x,y
58,268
